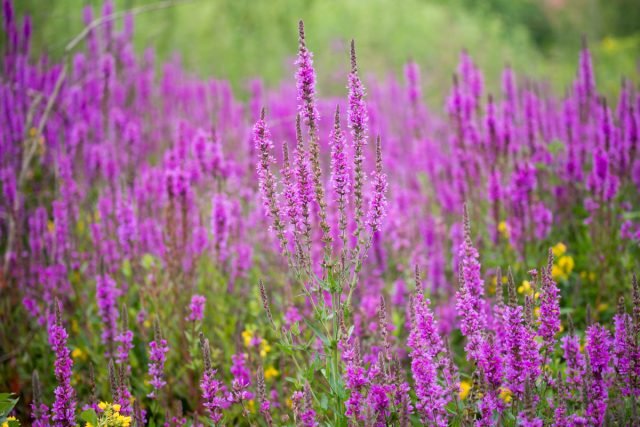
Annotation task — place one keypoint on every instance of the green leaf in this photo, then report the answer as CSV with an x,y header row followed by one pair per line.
x,y
6,405
89,416
318,332
126,268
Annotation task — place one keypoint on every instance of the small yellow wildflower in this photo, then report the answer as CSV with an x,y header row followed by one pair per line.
x,y
270,372
289,402
264,348
503,229
6,423
247,336
603,306
79,353
51,226
557,273
536,295
592,276
536,312
147,323
505,394
111,416
465,389
525,288
251,405
566,263
559,249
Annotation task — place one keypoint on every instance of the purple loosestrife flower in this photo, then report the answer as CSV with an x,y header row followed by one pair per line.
x,y
64,406
125,341
304,187
586,76
241,379
378,203
107,294
549,308
290,194
196,308
306,83
623,349
427,358
354,379
340,174
266,179
213,398
39,410
379,402
575,362
303,410
470,303
490,366
598,349
220,225
517,345
265,405
307,109
358,119
158,349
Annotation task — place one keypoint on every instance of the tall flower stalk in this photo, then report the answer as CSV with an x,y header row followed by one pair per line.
x,y
64,406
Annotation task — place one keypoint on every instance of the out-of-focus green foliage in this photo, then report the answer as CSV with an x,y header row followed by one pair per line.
x,y
239,39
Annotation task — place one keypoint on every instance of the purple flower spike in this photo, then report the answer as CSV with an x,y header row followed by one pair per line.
x,y
64,406
158,349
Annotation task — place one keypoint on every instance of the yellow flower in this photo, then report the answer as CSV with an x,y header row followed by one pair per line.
x,y
559,249
557,273
147,323
252,405
566,263
6,423
465,389
592,276
525,288
51,226
247,336
79,353
289,402
536,312
264,348
602,307
505,394
270,372
503,229
111,417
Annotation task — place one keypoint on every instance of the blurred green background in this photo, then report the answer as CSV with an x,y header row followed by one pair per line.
x,y
239,39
